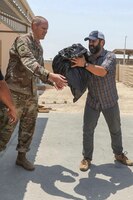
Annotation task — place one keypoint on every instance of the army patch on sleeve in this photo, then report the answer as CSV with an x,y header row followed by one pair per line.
x,y
23,50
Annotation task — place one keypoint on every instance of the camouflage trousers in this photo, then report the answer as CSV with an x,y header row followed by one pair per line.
x,y
26,107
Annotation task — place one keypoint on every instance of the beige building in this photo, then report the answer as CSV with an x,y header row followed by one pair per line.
x,y
15,19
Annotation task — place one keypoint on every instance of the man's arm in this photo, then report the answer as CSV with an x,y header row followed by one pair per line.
x,y
107,65
5,97
94,69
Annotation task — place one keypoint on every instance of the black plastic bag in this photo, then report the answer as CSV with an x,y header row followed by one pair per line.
x,y
77,77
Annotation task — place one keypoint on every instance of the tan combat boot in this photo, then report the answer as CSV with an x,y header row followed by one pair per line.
x,y
23,162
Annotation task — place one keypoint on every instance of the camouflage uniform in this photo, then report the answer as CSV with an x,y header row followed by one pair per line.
x,y
25,66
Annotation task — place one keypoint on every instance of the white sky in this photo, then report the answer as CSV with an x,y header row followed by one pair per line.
x,y
70,21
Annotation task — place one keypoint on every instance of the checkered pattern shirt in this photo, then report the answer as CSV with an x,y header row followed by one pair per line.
x,y
102,90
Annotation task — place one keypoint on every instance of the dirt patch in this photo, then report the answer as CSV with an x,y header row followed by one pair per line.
x,y
62,101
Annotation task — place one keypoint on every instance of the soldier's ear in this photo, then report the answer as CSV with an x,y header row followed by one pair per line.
x,y
33,26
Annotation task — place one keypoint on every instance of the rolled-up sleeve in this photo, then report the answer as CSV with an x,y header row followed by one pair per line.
x,y
110,62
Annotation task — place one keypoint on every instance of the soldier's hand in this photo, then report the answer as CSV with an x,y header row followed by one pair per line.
x,y
59,81
12,115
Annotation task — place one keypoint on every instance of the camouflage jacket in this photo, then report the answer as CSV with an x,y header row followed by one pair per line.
x,y
25,65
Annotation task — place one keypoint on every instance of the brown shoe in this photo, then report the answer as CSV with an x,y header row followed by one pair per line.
x,y
23,162
123,159
85,165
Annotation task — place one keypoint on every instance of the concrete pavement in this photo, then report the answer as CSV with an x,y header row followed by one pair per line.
x,y
57,151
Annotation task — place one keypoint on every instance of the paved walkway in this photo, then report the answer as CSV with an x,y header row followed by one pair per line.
x,y
56,152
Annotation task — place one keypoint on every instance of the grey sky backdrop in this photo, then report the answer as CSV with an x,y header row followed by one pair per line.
x,y
70,21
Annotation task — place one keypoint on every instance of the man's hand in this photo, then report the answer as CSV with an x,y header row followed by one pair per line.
x,y
12,115
78,62
59,80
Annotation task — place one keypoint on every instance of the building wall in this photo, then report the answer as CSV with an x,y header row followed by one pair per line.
x,y
6,40
124,74
127,61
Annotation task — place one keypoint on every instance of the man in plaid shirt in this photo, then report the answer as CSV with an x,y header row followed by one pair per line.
x,y
102,97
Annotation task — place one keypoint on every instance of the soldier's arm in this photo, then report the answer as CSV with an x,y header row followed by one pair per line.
x,y
29,61
5,97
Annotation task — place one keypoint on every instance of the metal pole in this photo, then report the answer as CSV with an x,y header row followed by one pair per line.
x,y
124,51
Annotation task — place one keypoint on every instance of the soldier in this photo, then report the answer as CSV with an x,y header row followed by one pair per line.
x,y
25,66
5,97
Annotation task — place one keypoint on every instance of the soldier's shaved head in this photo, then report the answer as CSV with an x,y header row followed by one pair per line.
x,y
37,20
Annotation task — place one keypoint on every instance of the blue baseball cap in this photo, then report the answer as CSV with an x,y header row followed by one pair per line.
x,y
94,35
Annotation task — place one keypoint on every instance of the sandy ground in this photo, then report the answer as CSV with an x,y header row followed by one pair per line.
x,y
62,101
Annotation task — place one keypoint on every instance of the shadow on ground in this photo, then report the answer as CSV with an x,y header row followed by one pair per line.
x,y
104,180
99,183
14,179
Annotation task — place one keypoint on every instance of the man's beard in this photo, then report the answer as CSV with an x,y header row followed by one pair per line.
x,y
96,49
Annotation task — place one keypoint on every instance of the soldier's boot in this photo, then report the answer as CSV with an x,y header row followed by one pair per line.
x,y
23,162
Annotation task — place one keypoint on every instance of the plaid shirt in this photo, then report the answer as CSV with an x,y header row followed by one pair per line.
x,y
102,90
